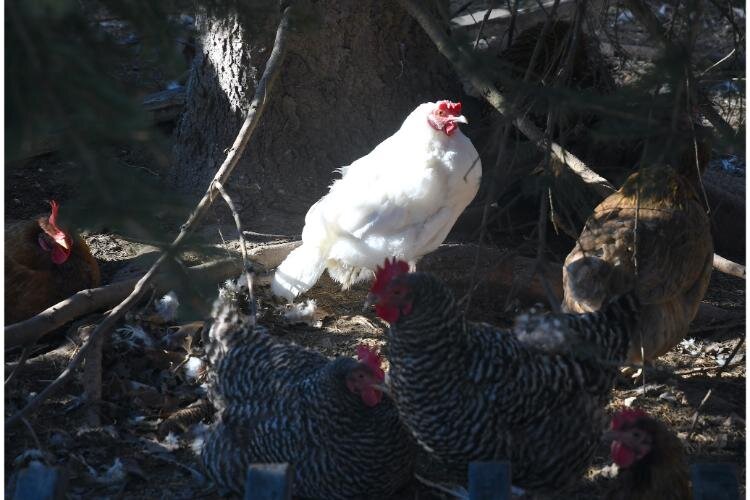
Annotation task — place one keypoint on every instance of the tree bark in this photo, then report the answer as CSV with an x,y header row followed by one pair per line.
x,y
353,73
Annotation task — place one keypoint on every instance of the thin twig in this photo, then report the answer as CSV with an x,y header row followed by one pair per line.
x,y
254,113
717,63
704,369
710,391
21,361
37,443
246,266
481,26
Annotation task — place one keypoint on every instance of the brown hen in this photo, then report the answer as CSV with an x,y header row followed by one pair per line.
x,y
674,254
650,457
44,265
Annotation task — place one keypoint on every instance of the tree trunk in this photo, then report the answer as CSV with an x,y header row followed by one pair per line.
x,y
353,72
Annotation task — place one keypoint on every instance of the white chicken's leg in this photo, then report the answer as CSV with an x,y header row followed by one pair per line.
x,y
412,266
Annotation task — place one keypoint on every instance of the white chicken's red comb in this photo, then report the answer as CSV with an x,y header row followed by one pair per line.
x,y
452,108
390,269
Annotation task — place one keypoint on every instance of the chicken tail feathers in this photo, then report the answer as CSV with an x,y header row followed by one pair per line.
x,y
623,309
299,272
622,314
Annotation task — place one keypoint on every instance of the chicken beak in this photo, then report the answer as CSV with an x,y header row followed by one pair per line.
x,y
460,119
63,243
370,301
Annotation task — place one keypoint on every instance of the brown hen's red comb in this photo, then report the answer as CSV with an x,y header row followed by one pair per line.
x,y
371,358
53,216
628,416
453,108
390,269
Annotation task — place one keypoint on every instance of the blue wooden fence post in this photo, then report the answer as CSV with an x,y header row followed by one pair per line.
x,y
717,481
269,482
40,482
489,481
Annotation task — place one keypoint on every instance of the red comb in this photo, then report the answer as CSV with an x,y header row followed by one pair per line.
x,y
371,358
53,216
390,269
453,108
628,416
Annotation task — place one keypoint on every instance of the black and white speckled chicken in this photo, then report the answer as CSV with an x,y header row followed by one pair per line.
x,y
280,402
469,391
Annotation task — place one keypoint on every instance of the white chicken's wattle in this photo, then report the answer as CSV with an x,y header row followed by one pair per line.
x,y
400,200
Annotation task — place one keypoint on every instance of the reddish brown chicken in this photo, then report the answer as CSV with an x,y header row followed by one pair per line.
x,y
44,264
650,457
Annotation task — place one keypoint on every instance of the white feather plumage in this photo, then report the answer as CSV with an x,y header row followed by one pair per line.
x,y
400,200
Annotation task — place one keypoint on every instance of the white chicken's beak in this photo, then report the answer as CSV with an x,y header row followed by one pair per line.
x,y
460,119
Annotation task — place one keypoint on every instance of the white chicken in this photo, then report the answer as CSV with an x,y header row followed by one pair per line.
x,y
400,200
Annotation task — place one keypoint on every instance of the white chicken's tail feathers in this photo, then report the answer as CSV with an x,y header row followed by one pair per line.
x,y
299,272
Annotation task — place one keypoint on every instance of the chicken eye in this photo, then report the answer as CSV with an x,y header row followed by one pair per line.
x,y
441,113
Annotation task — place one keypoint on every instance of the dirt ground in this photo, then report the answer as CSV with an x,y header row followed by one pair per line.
x,y
149,376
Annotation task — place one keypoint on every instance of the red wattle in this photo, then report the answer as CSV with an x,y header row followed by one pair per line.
x,y
59,255
371,396
621,454
387,313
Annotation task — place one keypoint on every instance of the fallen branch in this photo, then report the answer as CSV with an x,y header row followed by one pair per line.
x,y
254,113
726,266
465,65
27,332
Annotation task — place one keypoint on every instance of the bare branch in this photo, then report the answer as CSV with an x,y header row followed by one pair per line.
x,y
27,332
726,266
248,270
464,65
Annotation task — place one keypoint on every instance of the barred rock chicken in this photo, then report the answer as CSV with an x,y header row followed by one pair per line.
x,y
401,199
44,264
279,402
674,255
469,391
650,457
